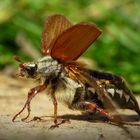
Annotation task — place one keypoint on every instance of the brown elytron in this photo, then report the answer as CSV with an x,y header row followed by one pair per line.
x,y
54,26
69,82
74,41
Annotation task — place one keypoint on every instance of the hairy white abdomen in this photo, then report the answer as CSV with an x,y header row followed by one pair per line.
x,y
66,90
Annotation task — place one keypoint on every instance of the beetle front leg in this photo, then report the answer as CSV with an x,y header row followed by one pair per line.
x,y
30,96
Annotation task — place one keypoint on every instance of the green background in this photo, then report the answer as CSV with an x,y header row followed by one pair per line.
x,y
117,50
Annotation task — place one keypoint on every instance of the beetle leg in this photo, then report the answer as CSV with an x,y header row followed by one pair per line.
x,y
55,108
56,123
30,96
92,107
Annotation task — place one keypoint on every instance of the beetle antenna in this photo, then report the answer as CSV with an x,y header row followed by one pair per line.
x,y
15,57
21,65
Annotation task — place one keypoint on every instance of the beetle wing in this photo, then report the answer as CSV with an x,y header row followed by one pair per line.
x,y
54,26
84,76
74,41
86,79
102,93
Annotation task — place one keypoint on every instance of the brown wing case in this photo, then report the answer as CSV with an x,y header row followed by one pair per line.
x,y
54,26
74,41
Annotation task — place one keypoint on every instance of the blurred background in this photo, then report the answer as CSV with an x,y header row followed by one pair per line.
x,y
116,51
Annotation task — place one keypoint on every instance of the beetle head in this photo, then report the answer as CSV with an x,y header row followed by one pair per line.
x,y
27,70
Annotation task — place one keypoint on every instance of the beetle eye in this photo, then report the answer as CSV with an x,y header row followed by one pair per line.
x,y
31,70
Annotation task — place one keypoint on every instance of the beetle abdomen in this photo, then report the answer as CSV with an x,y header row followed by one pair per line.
x,y
117,90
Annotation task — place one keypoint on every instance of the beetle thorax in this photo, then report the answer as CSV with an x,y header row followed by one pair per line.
x,y
48,67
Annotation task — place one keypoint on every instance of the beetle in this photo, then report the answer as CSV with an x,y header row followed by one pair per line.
x,y
67,80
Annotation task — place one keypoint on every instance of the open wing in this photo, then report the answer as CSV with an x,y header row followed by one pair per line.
x,y
74,41
54,26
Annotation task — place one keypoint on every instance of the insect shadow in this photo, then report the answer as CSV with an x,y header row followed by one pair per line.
x,y
88,117
98,118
